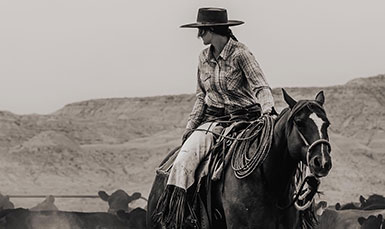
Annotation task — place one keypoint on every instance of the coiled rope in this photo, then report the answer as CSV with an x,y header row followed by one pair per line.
x,y
259,136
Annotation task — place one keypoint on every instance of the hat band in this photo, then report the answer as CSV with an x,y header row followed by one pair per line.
x,y
211,22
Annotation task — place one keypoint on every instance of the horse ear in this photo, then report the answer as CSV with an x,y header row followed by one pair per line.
x,y
289,100
320,98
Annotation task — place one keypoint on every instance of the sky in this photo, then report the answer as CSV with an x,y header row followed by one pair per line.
x,y
53,52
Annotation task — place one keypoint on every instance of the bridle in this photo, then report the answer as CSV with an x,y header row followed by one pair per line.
x,y
312,145
304,177
295,110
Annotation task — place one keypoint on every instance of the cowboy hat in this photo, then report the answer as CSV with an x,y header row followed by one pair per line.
x,y
212,17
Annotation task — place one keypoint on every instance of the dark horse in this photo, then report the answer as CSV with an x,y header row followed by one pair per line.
x,y
263,198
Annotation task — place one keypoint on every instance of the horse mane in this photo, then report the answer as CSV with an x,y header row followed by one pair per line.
x,y
282,113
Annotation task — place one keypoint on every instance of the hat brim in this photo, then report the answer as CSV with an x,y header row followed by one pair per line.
x,y
199,25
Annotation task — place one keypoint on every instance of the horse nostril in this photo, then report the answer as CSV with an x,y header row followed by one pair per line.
x,y
328,165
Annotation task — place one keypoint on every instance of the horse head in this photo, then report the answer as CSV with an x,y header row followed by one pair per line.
x,y
307,133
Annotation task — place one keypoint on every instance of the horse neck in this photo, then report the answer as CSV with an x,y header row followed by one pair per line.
x,y
279,167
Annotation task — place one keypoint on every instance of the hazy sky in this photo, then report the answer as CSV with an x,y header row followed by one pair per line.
x,y
57,52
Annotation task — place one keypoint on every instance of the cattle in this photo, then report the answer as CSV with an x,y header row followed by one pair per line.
x,y
5,203
21,218
373,202
119,200
46,205
351,205
372,222
135,218
331,218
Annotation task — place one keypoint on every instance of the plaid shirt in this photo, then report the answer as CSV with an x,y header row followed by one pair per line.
x,y
233,79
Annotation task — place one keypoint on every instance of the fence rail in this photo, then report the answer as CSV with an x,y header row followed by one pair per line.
x,y
56,196
60,196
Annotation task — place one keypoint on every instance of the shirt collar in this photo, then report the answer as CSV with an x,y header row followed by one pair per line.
x,y
225,51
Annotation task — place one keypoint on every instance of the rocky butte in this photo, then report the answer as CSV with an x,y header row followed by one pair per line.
x,y
118,142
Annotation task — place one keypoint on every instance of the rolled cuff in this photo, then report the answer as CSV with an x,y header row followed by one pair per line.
x,y
265,99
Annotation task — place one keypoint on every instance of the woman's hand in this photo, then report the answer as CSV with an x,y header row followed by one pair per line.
x,y
271,111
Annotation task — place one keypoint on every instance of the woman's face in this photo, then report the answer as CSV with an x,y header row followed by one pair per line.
x,y
206,35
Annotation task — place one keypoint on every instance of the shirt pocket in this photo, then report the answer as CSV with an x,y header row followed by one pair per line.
x,y
233,78
205,78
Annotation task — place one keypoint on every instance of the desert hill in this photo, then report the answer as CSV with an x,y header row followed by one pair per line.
x,y
118,142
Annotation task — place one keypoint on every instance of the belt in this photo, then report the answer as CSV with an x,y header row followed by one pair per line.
x,y
215,111
233,113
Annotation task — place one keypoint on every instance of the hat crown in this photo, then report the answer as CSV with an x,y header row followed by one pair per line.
x,y
212,15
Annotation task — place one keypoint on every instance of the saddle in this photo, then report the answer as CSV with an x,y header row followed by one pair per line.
x,y
204,208
211,162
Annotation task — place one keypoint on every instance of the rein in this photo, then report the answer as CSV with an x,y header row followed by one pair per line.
x,y
297,196
236,116
228,137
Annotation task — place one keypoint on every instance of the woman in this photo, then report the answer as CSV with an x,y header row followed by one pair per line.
x,y
230,84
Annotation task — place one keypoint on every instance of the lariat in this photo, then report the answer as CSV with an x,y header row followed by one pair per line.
x,y
243,161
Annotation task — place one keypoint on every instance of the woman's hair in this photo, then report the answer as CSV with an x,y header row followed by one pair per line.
x,y
222,30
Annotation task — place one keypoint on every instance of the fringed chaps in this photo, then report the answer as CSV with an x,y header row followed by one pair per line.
x,y
170,208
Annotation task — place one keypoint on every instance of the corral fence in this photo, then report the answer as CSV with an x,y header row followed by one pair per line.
x,y
60,196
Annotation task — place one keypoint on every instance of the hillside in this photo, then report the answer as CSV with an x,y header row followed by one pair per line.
x,y
118,142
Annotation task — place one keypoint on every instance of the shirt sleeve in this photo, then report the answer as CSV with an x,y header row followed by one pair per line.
x,y
198,110
256,79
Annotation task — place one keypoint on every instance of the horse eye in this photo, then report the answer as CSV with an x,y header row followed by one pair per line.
x,y
298,122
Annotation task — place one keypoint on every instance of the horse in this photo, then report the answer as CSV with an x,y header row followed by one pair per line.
x,y
265,198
